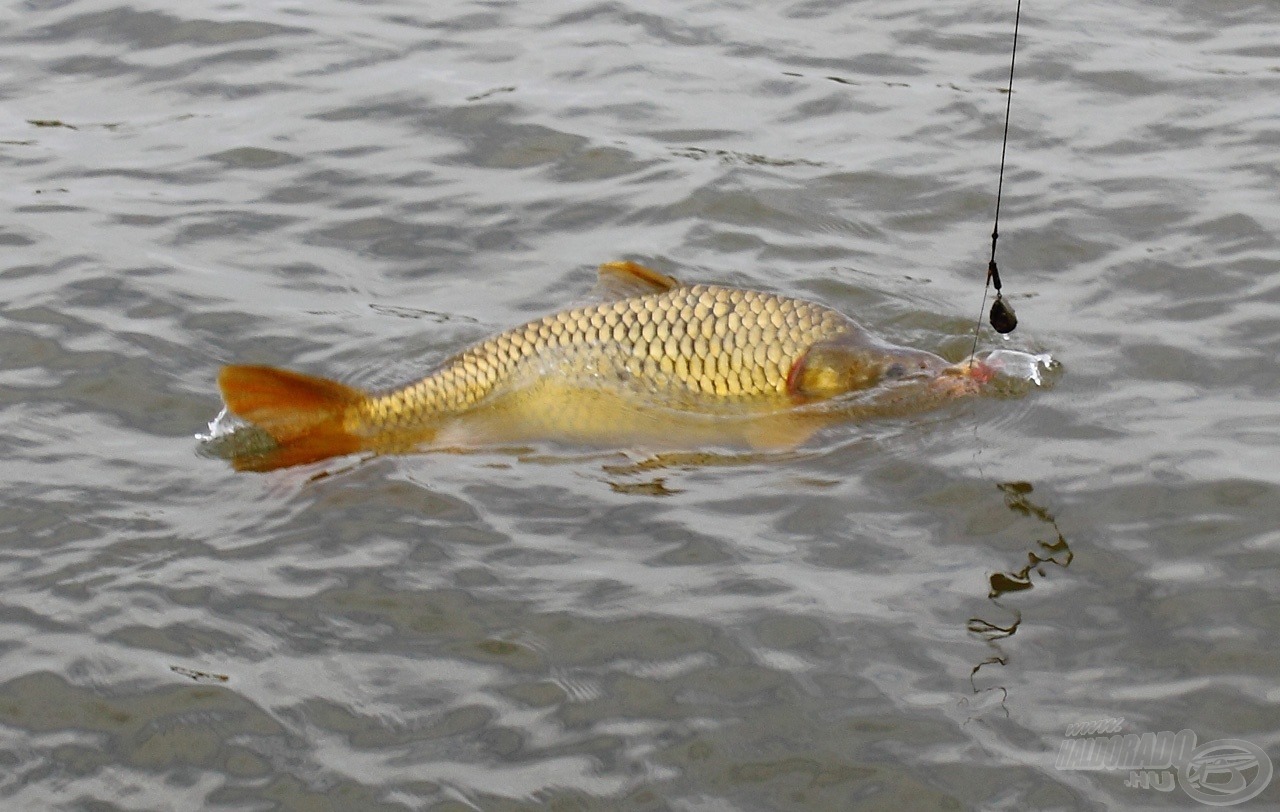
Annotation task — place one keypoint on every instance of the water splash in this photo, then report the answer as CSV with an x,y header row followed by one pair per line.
x,y
221,426
228,436
1037,368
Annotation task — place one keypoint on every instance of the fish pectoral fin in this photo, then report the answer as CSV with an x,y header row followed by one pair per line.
x,y
303,415
625,279
780,432
829,369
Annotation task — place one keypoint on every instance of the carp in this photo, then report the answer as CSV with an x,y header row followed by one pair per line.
x,y
656,363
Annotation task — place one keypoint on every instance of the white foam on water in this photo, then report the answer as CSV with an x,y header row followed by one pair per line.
x,y
1022,365
221,426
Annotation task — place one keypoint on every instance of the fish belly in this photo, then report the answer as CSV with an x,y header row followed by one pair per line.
x,y
581,413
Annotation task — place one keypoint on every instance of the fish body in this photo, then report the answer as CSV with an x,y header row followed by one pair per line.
x,y
657,361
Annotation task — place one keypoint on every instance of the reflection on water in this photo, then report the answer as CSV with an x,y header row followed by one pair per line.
x,y
1017,497
198,676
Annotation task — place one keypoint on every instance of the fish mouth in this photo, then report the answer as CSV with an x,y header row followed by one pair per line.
x,y
965,377
978,371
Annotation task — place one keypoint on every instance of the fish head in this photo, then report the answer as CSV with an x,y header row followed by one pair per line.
x,y
833,368
904,364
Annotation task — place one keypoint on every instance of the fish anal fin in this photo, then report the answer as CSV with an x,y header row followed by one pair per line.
x,y
624,279
304,415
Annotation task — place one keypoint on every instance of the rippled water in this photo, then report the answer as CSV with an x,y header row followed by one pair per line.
x,y
901,615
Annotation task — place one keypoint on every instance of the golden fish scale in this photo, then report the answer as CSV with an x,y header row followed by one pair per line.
x,y
701,346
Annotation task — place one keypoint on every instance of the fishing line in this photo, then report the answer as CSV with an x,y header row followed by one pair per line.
x,y
1002,317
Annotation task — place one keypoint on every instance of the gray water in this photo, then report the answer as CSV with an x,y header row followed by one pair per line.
x,y
360,189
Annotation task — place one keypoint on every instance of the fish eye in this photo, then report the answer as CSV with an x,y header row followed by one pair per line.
x,y
895,370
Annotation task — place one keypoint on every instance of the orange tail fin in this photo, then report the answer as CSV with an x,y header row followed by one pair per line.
x,y
303,415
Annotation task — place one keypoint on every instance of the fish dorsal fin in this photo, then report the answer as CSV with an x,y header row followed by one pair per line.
x,y
622,280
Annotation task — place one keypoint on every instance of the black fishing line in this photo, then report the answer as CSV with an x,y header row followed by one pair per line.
x,y
1002,317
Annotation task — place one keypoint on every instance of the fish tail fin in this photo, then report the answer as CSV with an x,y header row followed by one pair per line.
x,y
303,415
